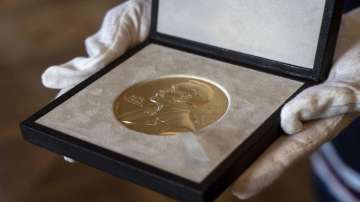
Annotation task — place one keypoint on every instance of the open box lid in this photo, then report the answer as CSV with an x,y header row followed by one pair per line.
x,y
292,38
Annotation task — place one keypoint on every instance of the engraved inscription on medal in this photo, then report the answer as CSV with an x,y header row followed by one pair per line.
x,y
170,105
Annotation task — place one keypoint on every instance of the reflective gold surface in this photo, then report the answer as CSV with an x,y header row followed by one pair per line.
x,y
170,105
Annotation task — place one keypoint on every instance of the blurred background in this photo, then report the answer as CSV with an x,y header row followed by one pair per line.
x,y
35,34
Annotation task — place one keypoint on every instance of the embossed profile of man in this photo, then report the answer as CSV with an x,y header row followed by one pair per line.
x,y
184,106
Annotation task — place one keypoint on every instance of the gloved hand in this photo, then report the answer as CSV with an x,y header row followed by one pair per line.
x,y
123,27
337,96
128,24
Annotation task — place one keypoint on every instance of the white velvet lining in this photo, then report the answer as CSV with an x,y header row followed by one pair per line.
x,y
281,30
253,95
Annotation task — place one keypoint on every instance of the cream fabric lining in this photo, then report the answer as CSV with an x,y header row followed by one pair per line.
x,y
280,30
254,96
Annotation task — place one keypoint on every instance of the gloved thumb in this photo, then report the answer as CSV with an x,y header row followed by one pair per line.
x,y
322,101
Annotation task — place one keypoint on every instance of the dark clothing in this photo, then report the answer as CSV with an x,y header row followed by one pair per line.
x,y
351,4
347,145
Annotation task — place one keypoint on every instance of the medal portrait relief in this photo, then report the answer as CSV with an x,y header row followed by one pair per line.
x,y
170,105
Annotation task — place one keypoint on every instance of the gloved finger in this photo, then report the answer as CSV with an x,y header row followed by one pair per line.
x,y
124,26
322,101
66,75
286,151
69,160
138,24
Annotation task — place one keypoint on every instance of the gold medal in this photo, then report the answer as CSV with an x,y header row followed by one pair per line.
x,y
170,105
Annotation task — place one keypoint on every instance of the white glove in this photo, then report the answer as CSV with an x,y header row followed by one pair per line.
x,y
123,27
129,24
339,95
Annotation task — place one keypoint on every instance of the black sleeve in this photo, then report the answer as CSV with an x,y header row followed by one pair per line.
x,y
351,4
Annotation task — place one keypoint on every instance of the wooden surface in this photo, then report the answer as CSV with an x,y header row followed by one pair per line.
x,y
35,34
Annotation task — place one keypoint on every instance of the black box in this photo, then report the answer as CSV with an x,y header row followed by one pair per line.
x,y
261,52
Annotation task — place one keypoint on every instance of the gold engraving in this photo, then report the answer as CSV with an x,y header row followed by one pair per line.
x,y
170,105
